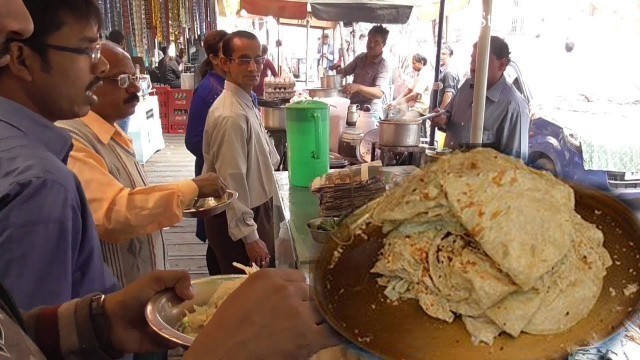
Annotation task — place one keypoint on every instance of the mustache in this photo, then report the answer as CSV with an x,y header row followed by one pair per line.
x,y
132,98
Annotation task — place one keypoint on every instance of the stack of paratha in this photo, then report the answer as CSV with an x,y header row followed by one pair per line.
x,y
481,235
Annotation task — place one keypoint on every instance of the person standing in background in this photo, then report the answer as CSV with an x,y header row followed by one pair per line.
x,y
169,68
238,148
448,78
416,98
117,37
267,68
209,89
326,55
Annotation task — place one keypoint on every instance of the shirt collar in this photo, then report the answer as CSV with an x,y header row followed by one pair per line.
x,y
249,100
105,131
37,128
494,92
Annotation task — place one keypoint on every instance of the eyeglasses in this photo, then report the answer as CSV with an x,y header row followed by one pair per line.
x,y
125,80
259,61
92,53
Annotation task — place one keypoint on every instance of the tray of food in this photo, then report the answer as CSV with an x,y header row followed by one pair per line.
x,y
479,257
205,207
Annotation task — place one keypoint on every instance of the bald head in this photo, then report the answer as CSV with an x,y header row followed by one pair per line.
x,y
114,101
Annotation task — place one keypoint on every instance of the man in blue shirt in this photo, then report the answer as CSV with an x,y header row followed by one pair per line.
x,y
49,249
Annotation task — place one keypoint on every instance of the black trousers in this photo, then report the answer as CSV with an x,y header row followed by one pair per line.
x,y
228,251
201,233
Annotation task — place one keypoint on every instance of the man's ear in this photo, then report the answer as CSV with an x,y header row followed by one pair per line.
x,y
225,63
22,61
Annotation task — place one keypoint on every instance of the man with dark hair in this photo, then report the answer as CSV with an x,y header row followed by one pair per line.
x,y
370,73
325,54
448,78
506,114
49,247
237,148
416,98
116,37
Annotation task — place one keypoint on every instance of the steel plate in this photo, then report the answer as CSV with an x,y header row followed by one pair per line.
x,y
165,311
212,210
355,305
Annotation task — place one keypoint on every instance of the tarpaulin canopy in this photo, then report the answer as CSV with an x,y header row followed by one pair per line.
x,y
371,11
429,9
288,9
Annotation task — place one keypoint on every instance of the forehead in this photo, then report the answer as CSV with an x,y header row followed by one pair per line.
x,y
76,31
119,63
247,47
375,37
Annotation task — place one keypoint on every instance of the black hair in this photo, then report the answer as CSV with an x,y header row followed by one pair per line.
x,y
498,48
420,58
265,49
163,50
380,31
227,43
116,36
50,16
448,48
211,46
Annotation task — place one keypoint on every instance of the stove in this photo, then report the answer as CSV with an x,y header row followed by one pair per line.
x,y
401,155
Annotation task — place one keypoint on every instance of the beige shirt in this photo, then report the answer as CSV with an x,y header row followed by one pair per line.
x,y
237,147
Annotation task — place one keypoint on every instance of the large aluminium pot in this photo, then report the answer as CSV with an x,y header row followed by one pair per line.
x,y
323,92
331,81
274,118
399,132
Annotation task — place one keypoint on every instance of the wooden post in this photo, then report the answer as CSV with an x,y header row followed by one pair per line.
x,y
480,82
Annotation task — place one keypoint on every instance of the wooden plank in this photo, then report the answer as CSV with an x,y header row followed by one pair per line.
x,y
193,250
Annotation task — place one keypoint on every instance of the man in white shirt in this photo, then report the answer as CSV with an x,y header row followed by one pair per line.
x,y
237,147
416,98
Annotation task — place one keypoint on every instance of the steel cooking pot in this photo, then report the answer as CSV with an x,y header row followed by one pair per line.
x,y
323,92
399,132
331,81
274,118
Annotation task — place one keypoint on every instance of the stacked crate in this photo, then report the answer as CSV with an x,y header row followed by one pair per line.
x,y
179,103
163,103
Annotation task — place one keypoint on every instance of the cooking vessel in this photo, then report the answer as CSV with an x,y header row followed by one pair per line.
x,y
351,301
274,118
323,92
331,81
399,132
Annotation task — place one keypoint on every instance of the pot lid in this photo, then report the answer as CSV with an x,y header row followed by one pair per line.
x,y
308,105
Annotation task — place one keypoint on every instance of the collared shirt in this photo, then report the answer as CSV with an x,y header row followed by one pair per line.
x,y
49,247
203,97
237,148
122,213
421,85
506,119
449,82
368,73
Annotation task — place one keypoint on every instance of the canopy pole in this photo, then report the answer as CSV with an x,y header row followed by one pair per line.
x,y
480,82
307,63
434,93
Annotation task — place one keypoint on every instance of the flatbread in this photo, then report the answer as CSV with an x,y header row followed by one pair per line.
x,y
482,329
502,203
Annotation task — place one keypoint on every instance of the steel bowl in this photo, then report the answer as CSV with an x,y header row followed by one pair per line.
x,y
165,311
319,236
274,118
332,81
206,207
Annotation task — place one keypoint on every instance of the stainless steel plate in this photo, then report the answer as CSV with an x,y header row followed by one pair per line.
x,y
218,206
165,311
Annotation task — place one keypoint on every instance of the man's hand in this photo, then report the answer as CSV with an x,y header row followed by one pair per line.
x,y
258,253
440,121
350,89
130,332
270,316
210,185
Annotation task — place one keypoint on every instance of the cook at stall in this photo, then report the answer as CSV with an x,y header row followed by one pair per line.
x,y
370,73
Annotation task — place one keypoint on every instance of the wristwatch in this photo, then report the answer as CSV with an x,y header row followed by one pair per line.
x,y
102,326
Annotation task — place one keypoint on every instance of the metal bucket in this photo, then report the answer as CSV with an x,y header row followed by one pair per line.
x,y
323,92
331,81
274,118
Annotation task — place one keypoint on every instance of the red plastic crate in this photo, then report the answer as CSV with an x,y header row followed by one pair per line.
x,y
164,116
163,104
177,128
165,127
179,116
179,99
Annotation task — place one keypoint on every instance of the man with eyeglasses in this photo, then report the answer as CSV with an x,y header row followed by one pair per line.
x,y
128,213
236,146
